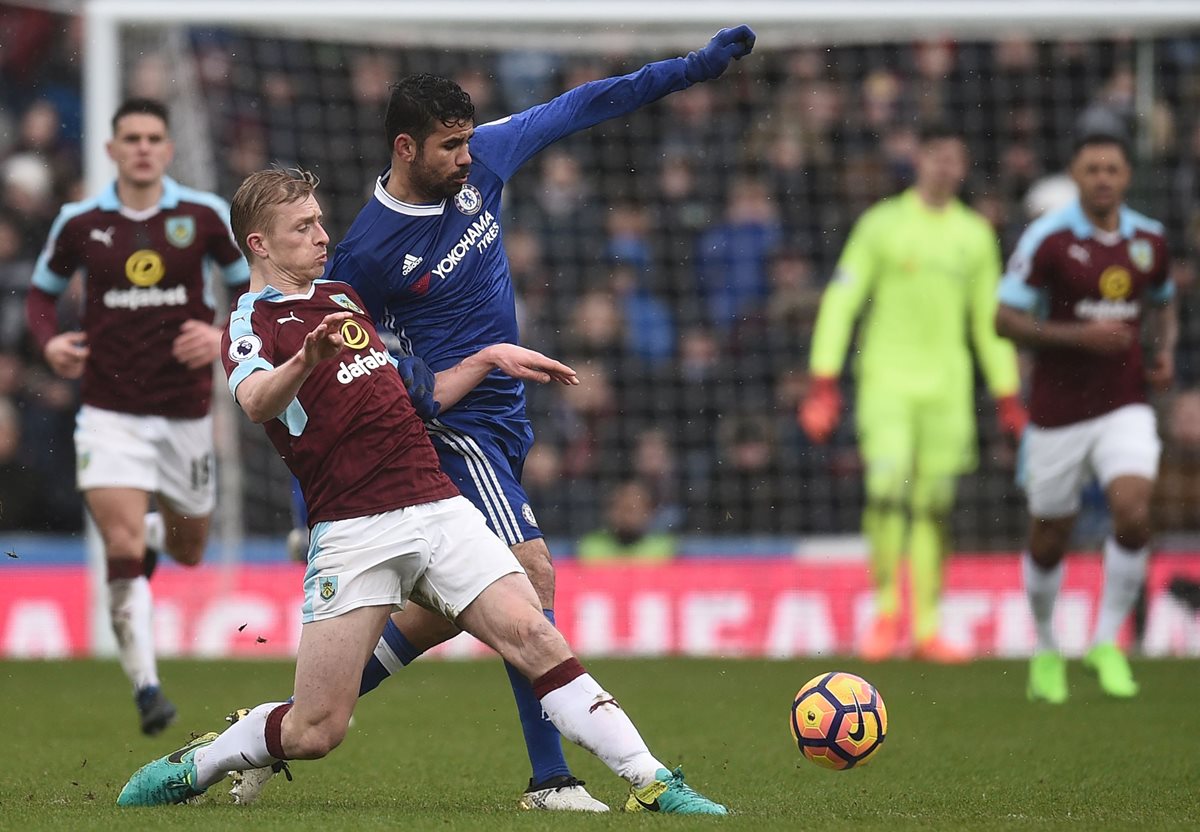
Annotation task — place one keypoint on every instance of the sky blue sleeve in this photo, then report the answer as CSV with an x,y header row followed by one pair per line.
x,y
1015,289
504,145
240,330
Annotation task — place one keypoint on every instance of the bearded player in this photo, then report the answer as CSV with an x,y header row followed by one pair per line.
x,y
427,257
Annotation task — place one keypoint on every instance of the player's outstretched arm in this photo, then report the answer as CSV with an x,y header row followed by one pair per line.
x,y
265,394
512,360
506,144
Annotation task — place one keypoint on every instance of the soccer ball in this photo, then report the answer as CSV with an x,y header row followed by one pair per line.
x,y
838,720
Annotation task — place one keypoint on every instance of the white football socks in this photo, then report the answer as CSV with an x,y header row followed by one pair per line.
x,y
131,610
1124,574
242,746
1041,587
591,718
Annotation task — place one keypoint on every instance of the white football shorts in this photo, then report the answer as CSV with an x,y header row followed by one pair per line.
x,y
171,458
1056,462
441,554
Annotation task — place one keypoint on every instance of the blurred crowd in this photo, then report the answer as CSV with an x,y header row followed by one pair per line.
x,y
675,258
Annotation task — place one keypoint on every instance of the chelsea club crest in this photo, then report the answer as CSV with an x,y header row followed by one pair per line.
x,y
468,200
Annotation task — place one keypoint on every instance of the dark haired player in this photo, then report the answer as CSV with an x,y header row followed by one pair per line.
x,y
427,257
1077,288
146,246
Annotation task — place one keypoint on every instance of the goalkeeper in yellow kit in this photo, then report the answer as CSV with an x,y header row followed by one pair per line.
x,y
929,266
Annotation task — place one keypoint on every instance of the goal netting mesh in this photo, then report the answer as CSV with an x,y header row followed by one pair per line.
x,y
676,257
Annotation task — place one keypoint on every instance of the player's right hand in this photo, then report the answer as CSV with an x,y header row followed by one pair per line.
x,y
66,353
820,411
726,45
530,365
325,341
1105,337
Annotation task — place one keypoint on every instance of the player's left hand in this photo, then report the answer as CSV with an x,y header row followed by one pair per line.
x,y
726,45
197,344
420,382
1161,373
1011,415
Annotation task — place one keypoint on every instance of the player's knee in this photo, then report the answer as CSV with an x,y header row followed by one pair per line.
x,y
536,638
185,544
932,496
1131,526
887,488
1048,544
188,553
123,547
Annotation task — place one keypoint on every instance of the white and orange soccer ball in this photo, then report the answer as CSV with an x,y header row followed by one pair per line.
x,y
838,720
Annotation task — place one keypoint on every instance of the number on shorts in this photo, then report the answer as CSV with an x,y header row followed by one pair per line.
x,y
201,471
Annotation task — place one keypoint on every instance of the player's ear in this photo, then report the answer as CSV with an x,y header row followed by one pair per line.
x,y
108,147
256,242
405,147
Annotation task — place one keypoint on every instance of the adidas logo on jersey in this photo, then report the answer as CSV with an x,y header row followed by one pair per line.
x,y
362,365
411,261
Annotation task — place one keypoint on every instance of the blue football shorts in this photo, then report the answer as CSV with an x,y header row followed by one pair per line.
x,y
484,459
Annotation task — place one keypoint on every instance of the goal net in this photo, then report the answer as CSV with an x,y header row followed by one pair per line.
x,y
676,256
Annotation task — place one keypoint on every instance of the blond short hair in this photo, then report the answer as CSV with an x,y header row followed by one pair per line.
x,y
251,211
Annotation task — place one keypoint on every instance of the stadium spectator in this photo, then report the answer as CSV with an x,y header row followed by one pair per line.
x,y
749,498
21,489
628,535
732,256
655,466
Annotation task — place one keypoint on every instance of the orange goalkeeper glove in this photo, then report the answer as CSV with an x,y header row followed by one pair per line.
x,y
820,411
1011,415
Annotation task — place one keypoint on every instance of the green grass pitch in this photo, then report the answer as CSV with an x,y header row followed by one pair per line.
x,y
439,748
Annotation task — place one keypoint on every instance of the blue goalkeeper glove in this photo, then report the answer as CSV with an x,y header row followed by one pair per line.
x,y
727,45
419,381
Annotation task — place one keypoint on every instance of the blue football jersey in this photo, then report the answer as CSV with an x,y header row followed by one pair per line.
x,y
436,276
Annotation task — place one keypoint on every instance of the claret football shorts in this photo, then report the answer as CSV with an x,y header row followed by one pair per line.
x,y
441,554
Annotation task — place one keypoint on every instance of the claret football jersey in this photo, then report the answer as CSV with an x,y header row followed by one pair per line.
x,y
351,435
145,273
1063,269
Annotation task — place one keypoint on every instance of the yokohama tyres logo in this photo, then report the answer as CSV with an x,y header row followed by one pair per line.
x,y
479,235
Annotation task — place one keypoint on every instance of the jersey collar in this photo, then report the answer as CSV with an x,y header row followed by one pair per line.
x,y
109,201
1082,227
273,295
392,204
